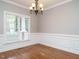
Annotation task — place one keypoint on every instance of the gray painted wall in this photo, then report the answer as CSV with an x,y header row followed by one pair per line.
x,y
12,8
63,19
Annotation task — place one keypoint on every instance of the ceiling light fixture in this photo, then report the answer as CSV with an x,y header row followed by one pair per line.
x,y
36,8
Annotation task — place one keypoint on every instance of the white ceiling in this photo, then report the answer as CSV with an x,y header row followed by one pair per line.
x,y
27,3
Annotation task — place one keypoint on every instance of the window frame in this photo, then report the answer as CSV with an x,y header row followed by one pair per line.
x,y
16,14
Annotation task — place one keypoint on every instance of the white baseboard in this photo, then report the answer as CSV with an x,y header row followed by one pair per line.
x,y
62,48
69,43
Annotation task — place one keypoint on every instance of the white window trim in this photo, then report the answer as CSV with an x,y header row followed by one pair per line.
x,y
17,14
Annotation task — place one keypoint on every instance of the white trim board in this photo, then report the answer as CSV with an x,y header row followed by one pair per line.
x,y
19,44
69,43
1,39
15,46
14,3
53,6
60,36
67,50
58,4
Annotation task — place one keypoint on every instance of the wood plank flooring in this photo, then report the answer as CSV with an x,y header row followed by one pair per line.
x,y
37,51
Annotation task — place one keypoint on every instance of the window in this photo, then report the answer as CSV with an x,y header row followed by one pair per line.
x,y
11,22
16,26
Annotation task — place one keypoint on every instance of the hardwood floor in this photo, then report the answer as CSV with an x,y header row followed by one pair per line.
x,y
37,51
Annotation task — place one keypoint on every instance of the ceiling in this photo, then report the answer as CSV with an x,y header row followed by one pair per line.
x,y
27,3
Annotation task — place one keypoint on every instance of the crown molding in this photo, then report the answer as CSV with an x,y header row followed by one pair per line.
x,y
14,3
58,4
53,6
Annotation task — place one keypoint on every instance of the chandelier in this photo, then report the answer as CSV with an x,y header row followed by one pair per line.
x,y
36,8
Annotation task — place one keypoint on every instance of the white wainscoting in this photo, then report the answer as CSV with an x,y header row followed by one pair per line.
x,y
1,39
69,43
18,44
